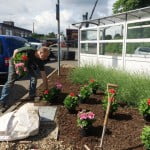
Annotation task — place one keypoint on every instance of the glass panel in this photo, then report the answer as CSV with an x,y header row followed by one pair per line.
x,y
138,48
110,49
139,30
111,33
1,47
89,48
89,35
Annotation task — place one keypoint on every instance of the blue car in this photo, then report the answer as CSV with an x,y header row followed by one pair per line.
x,y
7,45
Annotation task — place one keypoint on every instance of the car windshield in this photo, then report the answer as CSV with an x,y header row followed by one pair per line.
x,y
145,49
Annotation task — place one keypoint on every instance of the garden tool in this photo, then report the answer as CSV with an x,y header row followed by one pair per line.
x,y
109,85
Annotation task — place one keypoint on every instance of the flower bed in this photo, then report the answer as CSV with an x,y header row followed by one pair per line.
x,y
122,133
123,130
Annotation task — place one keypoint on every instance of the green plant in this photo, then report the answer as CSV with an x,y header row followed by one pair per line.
x,y
93,84
54,91
85,118
145,137
114,105
46,96
71,101
49,95
144,106
85,92
20,61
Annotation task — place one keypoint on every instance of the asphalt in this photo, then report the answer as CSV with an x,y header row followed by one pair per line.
x,y
20,89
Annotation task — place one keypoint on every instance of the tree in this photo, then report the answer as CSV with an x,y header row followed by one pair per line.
x,y
52,35
125,5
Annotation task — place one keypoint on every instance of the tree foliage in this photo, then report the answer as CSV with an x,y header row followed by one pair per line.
x,y
126,5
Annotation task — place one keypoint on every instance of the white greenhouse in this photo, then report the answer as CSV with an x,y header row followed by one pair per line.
x,y
121,41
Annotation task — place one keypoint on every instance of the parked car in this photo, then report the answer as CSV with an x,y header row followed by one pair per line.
x,y
35,45
142,50
7,45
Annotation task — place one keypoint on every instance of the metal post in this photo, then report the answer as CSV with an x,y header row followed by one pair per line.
x,y
58,22
33,28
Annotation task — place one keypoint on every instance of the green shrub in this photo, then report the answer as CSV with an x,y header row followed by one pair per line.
x,y
144,106
145,137
71,101
85,92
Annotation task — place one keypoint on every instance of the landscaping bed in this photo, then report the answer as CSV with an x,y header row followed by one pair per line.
x,y
123,130
122,133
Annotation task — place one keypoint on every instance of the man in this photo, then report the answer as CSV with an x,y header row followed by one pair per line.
x,y
36,60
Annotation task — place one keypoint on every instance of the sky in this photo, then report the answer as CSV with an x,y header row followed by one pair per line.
x,y
42,13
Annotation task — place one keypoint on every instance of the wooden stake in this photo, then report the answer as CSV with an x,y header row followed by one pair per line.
x,y
107,112
86,147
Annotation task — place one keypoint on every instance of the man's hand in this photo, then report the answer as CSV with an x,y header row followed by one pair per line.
x,y
15,52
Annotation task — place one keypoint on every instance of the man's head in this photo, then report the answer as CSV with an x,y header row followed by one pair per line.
x,y
43,53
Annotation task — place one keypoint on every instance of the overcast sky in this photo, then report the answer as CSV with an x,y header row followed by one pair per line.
x,y
43,13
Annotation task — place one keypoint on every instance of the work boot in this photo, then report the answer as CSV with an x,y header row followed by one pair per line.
x,y
3,107
34,98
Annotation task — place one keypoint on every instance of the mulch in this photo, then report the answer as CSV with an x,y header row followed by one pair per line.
x,y
123,129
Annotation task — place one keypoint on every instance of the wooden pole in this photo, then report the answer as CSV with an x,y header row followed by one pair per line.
x,y
107,112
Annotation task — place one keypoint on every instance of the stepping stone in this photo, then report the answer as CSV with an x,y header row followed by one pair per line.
x,y
47,113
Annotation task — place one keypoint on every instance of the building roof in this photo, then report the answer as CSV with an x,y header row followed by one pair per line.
x,y
6,25
117,18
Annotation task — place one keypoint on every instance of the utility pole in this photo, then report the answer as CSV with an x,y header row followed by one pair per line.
x,y
58,23
33,28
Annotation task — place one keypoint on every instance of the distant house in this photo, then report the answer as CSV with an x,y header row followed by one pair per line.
x,y
8,28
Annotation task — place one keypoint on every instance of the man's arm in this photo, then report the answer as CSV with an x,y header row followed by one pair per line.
x,y
45,81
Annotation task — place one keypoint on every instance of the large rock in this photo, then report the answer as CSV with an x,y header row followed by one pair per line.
x,y
20,124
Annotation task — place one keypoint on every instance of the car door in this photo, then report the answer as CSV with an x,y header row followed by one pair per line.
x,y
1,56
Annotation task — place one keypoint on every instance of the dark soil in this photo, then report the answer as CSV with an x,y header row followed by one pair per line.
x,y
123,129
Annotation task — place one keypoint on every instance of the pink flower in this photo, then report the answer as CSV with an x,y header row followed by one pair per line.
x,y
83,116
58,85
17,72
90,115
25,69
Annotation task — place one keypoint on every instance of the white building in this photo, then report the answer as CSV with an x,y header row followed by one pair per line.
x,y
120,41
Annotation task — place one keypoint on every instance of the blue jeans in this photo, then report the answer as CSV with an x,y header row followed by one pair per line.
x,y
12,77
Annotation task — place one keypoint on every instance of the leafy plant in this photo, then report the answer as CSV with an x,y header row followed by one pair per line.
x,y
144,106
20,62
94,85
46,96
114,105
71,101
85,92
85,118
49,95
56,89
145,137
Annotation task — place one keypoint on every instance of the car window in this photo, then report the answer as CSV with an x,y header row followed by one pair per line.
x,y
145,49
1,47
15,43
